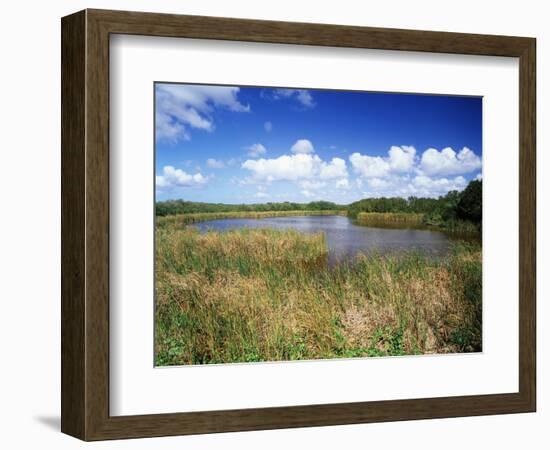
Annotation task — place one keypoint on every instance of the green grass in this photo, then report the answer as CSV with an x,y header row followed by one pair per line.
x,y
400,220
252,295
180,220
454,227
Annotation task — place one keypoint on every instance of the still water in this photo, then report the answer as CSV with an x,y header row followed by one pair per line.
x,y
344,238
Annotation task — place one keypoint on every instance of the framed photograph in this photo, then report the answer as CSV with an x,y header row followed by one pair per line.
x,y
272,225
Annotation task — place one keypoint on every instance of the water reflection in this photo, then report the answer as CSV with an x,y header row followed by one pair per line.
x,y
344,238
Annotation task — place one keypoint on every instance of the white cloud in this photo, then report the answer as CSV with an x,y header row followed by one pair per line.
x,y
295,168
369,166
261,194
215,163
203,97
307,184
172,177
442,185
256,150
282,168
169,129
336,168
402,173
378,183
419,185
398,173
180,107
448,162
302,146
401,159
268,126
343,183
479,177
303,96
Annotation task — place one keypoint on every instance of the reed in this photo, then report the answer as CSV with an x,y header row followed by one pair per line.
x,y
251,295
180,220
383,219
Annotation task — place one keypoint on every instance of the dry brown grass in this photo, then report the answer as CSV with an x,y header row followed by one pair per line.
x,y
390,219
180,220
259,295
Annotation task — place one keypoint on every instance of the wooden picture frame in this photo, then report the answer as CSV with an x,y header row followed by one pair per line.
x,y
85,224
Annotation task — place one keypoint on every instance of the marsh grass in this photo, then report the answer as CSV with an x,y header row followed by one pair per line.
x,y
388,219
455,227
269,295
190,218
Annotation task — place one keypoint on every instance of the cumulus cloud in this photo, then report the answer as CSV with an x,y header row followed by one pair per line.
x,y
307,184
336,168
343,183
402,173
439,185
295,168
181,107
169,129
302,146
172,177
399,160
369,166
378,183
417,185
256,150
479,177
448,162
215,163
282,168
302,96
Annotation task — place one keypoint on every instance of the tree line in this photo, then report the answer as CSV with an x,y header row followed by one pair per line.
x,y
465,205
171,207
454,206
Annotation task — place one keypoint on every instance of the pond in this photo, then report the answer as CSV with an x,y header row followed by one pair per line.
x,y
344,238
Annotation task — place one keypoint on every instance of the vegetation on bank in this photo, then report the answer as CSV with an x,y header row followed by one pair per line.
x,y
459,212
419,221
171,207
390,219
268,295
188,219
456,211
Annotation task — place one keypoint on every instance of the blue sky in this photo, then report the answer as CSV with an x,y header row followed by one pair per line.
x,y
250,144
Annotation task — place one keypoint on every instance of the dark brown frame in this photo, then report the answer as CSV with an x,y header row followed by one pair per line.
x,y
85,224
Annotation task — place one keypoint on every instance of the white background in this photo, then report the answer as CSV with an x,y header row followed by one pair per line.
x,y
30,229
136,387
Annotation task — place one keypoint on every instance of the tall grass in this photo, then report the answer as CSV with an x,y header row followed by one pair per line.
x,y
186,219
388,219
269,295
455,227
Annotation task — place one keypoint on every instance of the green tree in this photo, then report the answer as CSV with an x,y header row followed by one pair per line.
x,y
469,206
